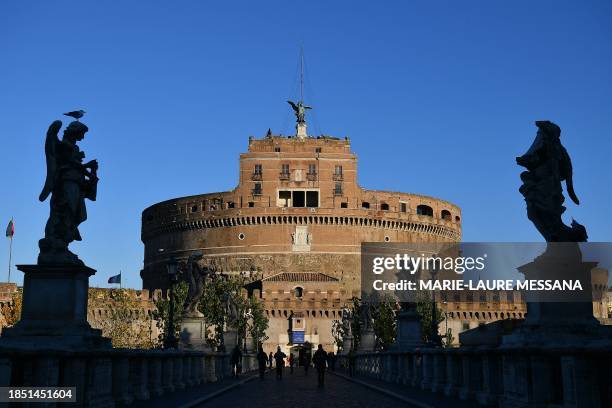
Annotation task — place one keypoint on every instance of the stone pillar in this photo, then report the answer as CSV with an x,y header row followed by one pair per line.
x,y
579,382
454,374
472,375
139,368
168,373
155,376
439,371
417,369
177,372
121,380
427,379
62,326
187,374
211,375
98,381
491,378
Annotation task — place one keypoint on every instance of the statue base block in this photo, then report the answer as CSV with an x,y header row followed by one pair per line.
x,y
367,341
54,310
193,334
408,331
230,339
347,344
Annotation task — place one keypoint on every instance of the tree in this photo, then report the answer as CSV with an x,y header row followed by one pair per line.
x,y
11,311
385,323
338,333
424,310
162,312
126,323
259,322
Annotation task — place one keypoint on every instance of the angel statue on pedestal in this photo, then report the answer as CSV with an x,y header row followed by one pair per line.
x,y
69,182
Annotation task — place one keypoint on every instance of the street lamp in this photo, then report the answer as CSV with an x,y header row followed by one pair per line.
x,y
172,269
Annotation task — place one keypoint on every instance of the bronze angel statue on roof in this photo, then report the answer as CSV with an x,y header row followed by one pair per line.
x,y
69,182
299,110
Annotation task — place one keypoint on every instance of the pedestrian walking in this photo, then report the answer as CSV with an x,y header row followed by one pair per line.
x,y
351,361
262,360
279,356
320,360
236,361
331,361
270,360
306,363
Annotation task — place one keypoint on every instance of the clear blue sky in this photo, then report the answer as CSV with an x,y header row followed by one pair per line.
x,y
438,97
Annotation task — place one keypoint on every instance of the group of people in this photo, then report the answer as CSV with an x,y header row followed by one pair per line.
x,y
321,360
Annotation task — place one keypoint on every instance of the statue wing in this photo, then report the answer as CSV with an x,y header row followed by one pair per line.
x,y
293,105
566,173
307,107
51,143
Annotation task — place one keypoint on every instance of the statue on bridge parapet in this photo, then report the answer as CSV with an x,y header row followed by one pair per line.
x,y
548,164
195,275
69,182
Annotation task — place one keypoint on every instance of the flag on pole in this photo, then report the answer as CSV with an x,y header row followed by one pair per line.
x,y
115,279
10,229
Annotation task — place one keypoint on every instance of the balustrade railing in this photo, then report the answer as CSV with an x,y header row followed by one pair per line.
x,y
105,378
553,376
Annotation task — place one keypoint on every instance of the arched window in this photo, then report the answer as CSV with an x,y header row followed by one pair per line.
x,y
299,292
384,207
424,210
457,218
446,215
365,204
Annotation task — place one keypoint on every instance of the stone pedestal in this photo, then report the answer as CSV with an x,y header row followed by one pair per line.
x,y
367,341
563,320
301,131
347,344
193,334
230,339
54,310
408,330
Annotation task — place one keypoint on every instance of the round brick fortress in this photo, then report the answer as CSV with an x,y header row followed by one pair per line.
x,y
297,208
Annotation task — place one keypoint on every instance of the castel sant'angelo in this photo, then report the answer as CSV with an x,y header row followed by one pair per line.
x,y
298,217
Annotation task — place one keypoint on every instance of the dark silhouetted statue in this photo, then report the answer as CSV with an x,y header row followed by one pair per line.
x,y
548,164
69,182
195,275
299,110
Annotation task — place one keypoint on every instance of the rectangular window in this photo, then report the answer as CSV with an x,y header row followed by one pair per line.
x,y
312,199
343,205
277,149
338,189
258,169
403,207
285,168
298,198
312,169
284,198
257,189
338,170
